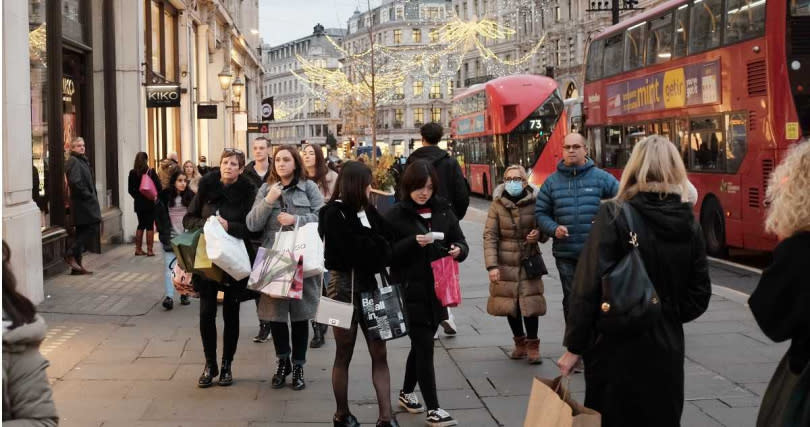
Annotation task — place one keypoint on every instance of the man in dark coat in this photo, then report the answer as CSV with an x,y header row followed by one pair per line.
x,y
452,184
256,171
84,207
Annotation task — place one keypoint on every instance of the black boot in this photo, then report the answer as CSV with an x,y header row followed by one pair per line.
x,y
209,372
317,335
347,421
225,375
264,332
282,371
391,423
298,377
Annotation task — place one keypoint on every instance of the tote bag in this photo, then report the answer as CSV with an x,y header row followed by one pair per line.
x,y
147,187
384,311
304,242
336,313
228,252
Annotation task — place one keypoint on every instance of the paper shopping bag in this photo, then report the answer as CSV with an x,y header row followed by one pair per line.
x,y
550,405
184,247
287,285
304,241
445,279
227,252
269,264
203,265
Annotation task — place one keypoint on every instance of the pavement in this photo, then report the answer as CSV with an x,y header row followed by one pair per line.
x,y
119,359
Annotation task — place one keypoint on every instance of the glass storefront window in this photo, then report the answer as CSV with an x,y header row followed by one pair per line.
x,y
156,46
73,19
170,69
39,107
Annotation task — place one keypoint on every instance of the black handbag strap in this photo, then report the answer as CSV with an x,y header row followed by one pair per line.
x,y
627,212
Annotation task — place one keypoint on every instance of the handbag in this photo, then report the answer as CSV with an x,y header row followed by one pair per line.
x,y
184,247
203,265
333,312
383,311
181,280
304,241
533,265
551,405
228,252
630,303
147,187
445,281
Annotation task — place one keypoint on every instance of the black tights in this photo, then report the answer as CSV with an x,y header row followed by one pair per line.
x,y
419,368
516,324
344,341
300,338
208,322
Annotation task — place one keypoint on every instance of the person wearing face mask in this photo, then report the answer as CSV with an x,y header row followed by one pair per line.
x,y
425,229
287,199
510,236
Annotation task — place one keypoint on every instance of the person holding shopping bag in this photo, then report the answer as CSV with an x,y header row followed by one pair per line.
x,y
144,208
510,238
289,200
227,196
172,206
425,230
357,248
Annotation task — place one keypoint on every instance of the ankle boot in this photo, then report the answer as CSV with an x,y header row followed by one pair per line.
x,y
150,241
317,335
139,243
520,348
533,351
225,375
209,372
347,421
298,377
284,368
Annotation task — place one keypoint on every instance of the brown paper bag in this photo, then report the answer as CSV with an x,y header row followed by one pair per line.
x,y
203,264
550,405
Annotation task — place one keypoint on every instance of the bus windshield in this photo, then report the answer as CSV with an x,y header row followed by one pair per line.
x,y
525,143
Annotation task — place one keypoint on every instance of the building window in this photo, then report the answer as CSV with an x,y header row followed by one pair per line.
x,y
397,36
450,88
418,88
418,117
435,90
557,15
400,13
399,92
417,35
434,35
436,115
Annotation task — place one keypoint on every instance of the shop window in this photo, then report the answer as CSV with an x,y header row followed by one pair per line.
x,y
39,109
594,66
634,47
613,54
744,19
736,129
614,147
706,139
706,20
680,39
74,17
659,40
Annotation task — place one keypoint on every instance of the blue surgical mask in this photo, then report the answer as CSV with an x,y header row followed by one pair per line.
x,y
514,188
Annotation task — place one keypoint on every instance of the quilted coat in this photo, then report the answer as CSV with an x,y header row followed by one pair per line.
x,y
505,232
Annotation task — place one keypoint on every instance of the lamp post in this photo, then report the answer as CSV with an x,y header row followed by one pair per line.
x,y
236,89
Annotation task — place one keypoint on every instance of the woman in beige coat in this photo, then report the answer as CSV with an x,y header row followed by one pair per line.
x,y
510,236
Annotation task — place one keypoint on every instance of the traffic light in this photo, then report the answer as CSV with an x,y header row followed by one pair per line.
x,y
410,144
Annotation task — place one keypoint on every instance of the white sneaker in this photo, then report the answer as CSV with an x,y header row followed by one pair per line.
x,y
410,403
439,418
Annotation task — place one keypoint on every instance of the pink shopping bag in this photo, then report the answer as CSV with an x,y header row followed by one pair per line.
x,y
147,187
445,279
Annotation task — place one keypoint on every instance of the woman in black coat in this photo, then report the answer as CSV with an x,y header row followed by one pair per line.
x,y
636,379
781,300
230,196
418,222
356,248
144,208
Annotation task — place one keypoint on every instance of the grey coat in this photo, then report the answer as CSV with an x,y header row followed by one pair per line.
x,y
84,207
303,200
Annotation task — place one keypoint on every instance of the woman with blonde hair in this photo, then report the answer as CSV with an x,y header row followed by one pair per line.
x,y
192,175
635,378
780,301
510,237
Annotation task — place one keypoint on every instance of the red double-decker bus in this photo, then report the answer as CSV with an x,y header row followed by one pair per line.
x,y
726,80
515,119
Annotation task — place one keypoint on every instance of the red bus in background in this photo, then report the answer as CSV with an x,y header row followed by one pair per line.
x,y
726,81
517,119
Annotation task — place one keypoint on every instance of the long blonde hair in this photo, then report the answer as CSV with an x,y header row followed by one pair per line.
x,y
789,193
655,166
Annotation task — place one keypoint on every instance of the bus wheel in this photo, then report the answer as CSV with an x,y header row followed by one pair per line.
x,y
714,227
485,185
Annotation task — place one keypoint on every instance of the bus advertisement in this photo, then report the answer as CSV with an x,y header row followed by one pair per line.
x,y
516,119
717,78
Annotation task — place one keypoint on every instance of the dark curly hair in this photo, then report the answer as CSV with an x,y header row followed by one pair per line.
x,y
185,196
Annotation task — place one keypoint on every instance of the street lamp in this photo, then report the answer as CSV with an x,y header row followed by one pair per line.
x,y
225,78
237,87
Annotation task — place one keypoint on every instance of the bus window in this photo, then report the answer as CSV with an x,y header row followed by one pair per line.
x,y
707,23
633,134
594,66
706,140
614,149
682,141
595,145
744,19
800,7
681,39
614,47
666,131
736,129
659,40
634,47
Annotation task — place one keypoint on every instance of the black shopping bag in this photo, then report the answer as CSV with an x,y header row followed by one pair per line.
x,y
384,311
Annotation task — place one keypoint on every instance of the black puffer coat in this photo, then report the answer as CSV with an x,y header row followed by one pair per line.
x,y
410,264
638,380
233,203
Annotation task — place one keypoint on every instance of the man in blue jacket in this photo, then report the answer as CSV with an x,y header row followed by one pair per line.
x,y
567,203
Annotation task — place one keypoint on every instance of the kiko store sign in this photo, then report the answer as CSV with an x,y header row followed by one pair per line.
x,y
162,95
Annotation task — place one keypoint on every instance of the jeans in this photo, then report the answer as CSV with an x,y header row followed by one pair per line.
x,y
168,257
300,338
419,367
566,268
516,325
208,322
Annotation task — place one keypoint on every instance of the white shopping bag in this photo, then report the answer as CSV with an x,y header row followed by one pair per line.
x,y
305,242
225,251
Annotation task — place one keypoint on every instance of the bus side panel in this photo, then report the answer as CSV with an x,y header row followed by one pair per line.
x,y
552,153
476,179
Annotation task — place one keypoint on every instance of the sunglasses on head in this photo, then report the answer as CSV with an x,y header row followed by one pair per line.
x,y
234,150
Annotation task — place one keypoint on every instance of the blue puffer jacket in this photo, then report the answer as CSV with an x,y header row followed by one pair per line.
x,y
571,197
